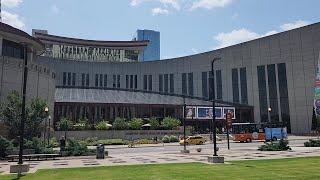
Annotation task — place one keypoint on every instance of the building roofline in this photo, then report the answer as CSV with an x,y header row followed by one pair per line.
x,y
87,42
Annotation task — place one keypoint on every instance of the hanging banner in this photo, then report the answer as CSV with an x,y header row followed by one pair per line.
x,y
317,90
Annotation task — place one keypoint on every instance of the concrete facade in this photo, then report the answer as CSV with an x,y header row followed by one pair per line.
x,y
298,49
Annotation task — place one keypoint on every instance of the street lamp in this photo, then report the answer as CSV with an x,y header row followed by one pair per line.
x,y
269,116
184,126
214,132
46,110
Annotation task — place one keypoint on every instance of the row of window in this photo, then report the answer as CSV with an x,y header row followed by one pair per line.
x,y
12,49
166,83
239,85
208,81
131,82
271,80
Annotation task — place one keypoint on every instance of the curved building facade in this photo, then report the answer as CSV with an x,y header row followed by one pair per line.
x,y
275,72
41,79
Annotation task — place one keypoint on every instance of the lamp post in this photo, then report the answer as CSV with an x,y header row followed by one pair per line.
x,y
46,110
184,127
215,158
23,108
214,132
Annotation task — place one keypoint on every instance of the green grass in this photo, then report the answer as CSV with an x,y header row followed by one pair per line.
x,y
294,168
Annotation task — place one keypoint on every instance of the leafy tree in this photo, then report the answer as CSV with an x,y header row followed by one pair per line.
x,y
5,145
170,123
120,124
65,125
154,123
11,113
136,123
36,115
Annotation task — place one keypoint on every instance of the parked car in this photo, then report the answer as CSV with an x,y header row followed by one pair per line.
x,y
195,140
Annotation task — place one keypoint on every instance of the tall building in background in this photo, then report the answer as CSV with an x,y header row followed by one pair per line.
x,y
152,51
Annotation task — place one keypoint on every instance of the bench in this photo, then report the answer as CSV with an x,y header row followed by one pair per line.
x,y
29,154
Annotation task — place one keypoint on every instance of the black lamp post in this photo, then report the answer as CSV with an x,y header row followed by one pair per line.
x,y
214,132
46,110
184,126
23,108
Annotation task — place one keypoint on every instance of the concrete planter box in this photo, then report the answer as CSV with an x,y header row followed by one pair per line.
x,y
118,134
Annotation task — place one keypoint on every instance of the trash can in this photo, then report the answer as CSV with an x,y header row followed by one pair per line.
x,y
100,151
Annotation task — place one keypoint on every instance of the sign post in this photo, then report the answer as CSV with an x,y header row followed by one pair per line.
x,y
229,125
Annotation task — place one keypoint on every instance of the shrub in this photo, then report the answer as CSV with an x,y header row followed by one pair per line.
x,y
102,125
75,148
281,145
170,123
64,125
120,124
154,123
91,141
312,143
136,123
111,142
165,139
38,146
53,143
173,138
5,145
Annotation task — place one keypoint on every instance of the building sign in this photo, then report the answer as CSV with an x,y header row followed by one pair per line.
x,y
207,113
317,90
87,53
191,112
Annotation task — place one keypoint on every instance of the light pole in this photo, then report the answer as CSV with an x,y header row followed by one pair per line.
x,y
184,126
46,110
215,158
23,108
214,132
269,120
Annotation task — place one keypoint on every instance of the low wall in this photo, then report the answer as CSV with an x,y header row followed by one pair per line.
x,y
119,134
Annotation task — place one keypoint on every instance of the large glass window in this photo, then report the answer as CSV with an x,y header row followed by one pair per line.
x,y
118,81
64,78
69,78
184,83
160,83
87,80
145,82
171,83
211,86
235,85
131,81
100,80
12,49
127,81
83,78
204,84
219,84
73,79
105,80
135,82
114,82
273,94
190,84
262,93
243,85
150,82
166,83
96,80
283,92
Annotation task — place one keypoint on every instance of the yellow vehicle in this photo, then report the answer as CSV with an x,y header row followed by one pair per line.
x,y
195,140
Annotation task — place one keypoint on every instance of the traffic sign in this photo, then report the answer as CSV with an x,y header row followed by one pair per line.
x,y
229,119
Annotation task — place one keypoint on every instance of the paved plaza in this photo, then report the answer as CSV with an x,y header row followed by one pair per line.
x,y
145,155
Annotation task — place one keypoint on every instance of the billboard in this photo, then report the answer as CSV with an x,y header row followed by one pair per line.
x,y
232,110
191,112
207,113
317,91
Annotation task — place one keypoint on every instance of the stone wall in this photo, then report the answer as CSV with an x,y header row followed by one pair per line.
x,y
117,134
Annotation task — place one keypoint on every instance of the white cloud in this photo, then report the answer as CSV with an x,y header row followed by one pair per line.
x,y
209,4
234,37
293,25
174,3
158,11
11,3
55,9
12,19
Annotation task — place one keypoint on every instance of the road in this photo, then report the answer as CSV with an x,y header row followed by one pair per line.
x,y
172,148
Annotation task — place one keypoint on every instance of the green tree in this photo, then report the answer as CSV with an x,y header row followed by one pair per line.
x,y
154,123
11,114
136,123
65,125
35,116
170,123
120,124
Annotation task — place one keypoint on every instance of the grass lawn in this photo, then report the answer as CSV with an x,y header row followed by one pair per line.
x,y
294,168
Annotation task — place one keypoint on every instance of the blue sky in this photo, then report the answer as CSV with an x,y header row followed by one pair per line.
x,y
186,26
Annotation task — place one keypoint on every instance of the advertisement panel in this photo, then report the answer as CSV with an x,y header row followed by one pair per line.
x,y
231,110
206,112
317,91
191,112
